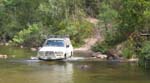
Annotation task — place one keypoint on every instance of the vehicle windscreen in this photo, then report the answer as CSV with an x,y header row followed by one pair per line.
x,y
54,43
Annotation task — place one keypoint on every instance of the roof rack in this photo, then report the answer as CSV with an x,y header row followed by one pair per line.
x,y
58,36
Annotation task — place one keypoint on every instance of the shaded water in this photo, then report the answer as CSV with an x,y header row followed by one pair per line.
x,y
76,70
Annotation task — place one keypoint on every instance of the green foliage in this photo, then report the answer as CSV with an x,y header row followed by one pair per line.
x,y
30,20
113,39
28,35
101,47
128,50
92,7
78,29
124,21
144,54
131,16
15,16
107,14
27,22
145,50
127,53
108,18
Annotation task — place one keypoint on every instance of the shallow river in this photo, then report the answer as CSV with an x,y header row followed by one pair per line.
x,y
75,70
34,71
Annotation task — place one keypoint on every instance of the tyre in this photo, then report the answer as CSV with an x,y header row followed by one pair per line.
x,y
71,54
65,56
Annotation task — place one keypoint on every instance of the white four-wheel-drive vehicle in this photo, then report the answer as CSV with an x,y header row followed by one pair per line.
x,y
56,47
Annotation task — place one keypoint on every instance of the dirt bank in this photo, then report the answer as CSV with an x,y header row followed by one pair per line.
x,y
89,42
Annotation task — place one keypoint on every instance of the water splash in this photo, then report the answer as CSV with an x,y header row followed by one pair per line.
x,y
75,59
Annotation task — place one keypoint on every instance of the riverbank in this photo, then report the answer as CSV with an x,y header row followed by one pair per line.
x,y
9,52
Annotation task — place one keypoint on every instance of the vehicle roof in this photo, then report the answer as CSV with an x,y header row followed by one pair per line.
x,y
56,38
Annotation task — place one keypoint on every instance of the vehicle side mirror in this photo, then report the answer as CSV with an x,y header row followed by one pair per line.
x,y
67,46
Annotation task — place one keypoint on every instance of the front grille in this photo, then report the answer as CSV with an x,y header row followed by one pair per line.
x,y
49,53
59,53
45,53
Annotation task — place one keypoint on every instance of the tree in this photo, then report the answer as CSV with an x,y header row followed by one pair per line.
x,y
131,16
18,18
107,15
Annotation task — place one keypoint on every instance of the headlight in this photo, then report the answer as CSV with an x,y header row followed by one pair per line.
x,y
40,53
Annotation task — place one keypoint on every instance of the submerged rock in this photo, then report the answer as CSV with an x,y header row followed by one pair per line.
x,y
33,49
133,60
84,67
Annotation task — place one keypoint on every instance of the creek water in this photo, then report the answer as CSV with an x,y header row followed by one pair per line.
x,y
75,70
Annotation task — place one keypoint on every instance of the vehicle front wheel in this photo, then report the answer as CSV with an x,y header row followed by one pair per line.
x,y
71,54
65,56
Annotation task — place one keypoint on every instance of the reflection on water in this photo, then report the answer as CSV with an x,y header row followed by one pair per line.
x,y
35,71
16,52
28,71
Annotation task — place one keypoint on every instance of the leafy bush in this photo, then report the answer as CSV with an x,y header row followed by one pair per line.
x,y
115,38
144,54
127,52
101,47
29,36
21,20
77,29
145,50
112,39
